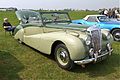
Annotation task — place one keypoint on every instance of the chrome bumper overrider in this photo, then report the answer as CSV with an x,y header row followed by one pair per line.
x,y
93,59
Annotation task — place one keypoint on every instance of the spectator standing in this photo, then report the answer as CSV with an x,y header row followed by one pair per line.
x,y
116,13
113,13
106,12
110,13
101,12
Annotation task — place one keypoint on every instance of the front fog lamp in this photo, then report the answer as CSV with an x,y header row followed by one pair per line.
x,y
91,52
88,40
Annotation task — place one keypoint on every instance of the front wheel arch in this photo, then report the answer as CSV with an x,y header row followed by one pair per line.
x,y
54,45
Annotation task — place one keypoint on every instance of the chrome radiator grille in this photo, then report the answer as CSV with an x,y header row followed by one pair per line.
x,y
96,40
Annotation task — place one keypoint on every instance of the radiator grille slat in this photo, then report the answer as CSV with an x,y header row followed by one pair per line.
x,y
96,40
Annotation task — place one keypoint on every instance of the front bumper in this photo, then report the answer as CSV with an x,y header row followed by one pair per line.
x,y
95,59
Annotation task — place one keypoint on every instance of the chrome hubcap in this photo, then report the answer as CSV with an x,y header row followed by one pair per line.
x,y
117,36
62,56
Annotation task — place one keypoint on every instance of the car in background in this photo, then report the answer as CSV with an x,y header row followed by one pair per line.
x,y
53,33
115,19
102,22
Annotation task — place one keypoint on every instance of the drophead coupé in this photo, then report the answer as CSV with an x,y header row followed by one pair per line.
x,y
53,33
102,22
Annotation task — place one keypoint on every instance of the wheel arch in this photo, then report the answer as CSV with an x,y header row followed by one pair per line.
x,y
113,30
54,45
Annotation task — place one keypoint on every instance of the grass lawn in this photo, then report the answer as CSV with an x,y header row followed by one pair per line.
x,y
20,62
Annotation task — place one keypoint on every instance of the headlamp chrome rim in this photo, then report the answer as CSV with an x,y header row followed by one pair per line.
x,y
88,40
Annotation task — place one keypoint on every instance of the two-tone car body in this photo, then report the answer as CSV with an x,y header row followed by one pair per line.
x,y
102,22
53,33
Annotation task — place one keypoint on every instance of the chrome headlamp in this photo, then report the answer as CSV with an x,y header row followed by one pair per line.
x,y
106,36
88,40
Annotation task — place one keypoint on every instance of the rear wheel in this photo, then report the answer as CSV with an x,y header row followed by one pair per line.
x,y
62,57
116,34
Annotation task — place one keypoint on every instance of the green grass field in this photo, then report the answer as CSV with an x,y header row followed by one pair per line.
x,y
20,62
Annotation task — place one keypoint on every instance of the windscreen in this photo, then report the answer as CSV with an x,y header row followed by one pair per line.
x,y
28,16
103,19
55,17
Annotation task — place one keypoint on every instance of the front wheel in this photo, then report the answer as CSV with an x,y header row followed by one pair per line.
x,y
62,57
116,34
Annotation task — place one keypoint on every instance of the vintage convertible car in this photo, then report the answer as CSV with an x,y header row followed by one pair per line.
x,y
53,33
103,22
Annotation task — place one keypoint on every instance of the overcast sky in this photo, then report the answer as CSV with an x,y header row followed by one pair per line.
x,y
59,4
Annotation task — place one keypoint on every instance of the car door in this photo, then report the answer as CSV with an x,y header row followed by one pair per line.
x,y
33,28
32,36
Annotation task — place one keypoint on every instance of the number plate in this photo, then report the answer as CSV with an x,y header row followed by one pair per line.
x,y
101,58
